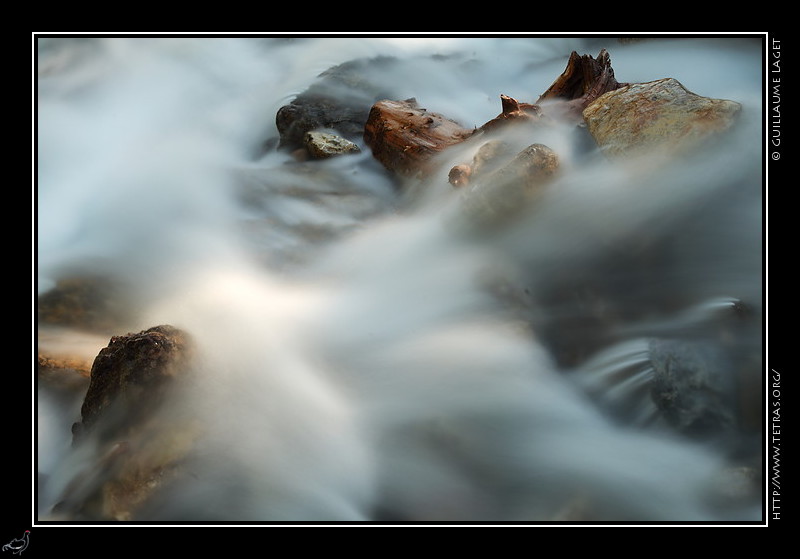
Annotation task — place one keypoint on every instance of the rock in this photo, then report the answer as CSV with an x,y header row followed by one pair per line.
x,y
738,485
340,100
61,369
131,376
91,303
136,443
498,196
305,114
62,349
489,157
644,118
342,96
321,145
459,175
692,387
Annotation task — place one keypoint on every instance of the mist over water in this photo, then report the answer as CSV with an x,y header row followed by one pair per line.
x,y
363,352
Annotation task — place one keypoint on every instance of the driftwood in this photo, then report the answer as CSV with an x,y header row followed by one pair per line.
x,y
405,137
514,112
584,80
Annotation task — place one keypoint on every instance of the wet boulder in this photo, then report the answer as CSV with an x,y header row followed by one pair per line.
x,y
658,116
133,437
131,376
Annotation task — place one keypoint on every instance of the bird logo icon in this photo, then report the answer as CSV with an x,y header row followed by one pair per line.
x,y
18,545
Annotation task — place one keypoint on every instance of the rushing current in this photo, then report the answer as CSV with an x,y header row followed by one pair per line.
x,y
363,352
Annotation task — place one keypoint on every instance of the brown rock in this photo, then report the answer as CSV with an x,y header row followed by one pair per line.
x,y
459,175
62,372
64,360
139,444
132,373
660,116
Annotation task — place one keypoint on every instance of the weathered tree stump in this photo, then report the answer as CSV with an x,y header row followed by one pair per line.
x,y
584,80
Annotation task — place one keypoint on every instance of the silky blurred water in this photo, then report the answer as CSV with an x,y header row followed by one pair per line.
x,y
362,358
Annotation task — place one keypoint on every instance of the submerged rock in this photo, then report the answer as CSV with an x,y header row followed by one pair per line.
x,y
692,387
489,157
643,118
499,195
91,303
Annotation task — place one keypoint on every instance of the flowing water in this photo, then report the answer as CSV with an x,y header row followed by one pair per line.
x,y
365,354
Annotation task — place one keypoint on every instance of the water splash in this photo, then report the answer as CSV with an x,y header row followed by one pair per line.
x,y
354,366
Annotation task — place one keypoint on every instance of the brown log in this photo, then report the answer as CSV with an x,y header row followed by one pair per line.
x,y
405,137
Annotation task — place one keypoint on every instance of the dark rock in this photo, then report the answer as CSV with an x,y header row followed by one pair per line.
x,y
340,100
137,444
132,374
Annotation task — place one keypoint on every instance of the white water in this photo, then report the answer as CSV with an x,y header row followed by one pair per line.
x,y
369,373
